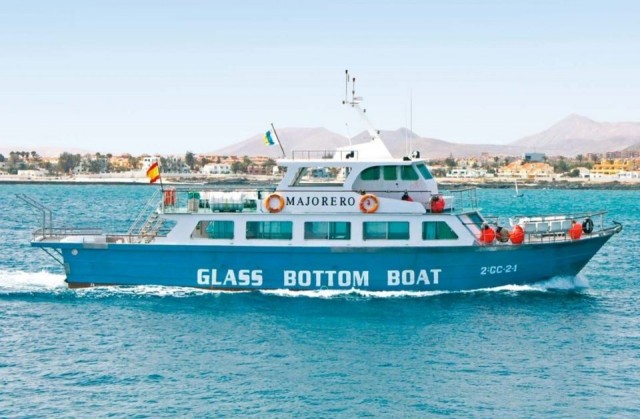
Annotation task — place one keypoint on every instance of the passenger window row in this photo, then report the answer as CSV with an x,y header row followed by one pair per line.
x,y
323,230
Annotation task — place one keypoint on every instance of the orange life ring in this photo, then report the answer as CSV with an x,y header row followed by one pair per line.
x,y
369,203
277,208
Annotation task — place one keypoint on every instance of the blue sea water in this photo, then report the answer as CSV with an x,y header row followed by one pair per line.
x,y
568,347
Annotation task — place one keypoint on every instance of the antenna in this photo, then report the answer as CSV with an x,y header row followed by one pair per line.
x,y
355,103
410,118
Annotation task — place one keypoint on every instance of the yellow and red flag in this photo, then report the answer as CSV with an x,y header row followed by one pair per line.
x,y
153,172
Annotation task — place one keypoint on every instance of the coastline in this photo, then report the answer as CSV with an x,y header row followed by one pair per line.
x,y
181,179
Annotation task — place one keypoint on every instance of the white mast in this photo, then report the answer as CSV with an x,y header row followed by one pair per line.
x,y
377,148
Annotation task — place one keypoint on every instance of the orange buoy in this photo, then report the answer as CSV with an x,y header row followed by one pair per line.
x,y
437,203
575,232
517,235
487,235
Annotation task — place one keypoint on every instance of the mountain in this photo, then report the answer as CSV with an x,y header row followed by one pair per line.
x,y
400,142
44,151
577,134
635,147
291,139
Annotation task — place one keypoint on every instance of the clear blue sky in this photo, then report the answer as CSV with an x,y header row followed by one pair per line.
x,y
170,76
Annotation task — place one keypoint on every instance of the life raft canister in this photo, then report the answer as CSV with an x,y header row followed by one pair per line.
x,y
587,226
575,232
268,203
169,197
437,203
369,203
487,234
517,235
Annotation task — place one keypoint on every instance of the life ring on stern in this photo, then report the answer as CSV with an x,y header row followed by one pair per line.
x,y
369,203
587,226
276,208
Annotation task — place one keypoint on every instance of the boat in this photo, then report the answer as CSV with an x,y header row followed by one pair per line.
x,y
355,218
518,194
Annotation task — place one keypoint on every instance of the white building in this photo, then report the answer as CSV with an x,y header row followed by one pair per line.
x,y
31,173
216,169
467,173
147,161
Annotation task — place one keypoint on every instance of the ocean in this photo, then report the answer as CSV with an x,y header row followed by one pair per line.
x,y
567,347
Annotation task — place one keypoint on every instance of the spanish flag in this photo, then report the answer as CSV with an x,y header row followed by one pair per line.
x,y
267,138
153,172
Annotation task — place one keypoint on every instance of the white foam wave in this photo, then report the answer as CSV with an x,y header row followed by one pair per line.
x,y
12,281
150,291
565,283
357,292
18,281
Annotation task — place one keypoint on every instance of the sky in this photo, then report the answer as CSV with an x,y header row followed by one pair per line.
x,y
166,77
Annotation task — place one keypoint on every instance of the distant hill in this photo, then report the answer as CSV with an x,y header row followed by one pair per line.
x,y
577,134
402,142
44,151
399,142
569,137
291,138
573,135
635,147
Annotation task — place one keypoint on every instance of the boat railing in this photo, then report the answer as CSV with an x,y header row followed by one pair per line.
x,y
60,232
143,216
553,228
465,199
47,214
189,199
323,154
181,199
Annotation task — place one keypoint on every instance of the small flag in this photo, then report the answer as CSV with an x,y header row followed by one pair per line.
x,y
153,172
267,139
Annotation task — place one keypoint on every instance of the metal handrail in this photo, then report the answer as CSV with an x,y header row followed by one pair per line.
x,y
40,207
143,215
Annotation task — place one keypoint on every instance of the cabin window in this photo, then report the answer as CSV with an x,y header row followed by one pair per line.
x,y
321,176
380,230
323,230
390,172
437,230
370,173
424,171
270,230
214,229
409,173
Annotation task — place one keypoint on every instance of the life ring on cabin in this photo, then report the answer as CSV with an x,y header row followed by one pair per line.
x,y
587,226
369,203
276,208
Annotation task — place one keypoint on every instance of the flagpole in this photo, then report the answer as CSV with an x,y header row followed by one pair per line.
x,y
160,173
279,142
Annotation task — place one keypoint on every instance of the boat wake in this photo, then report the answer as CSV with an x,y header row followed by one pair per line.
x,y
16,282
559,283
19,281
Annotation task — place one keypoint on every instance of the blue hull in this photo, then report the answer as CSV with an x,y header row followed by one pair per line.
x,y
311,268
